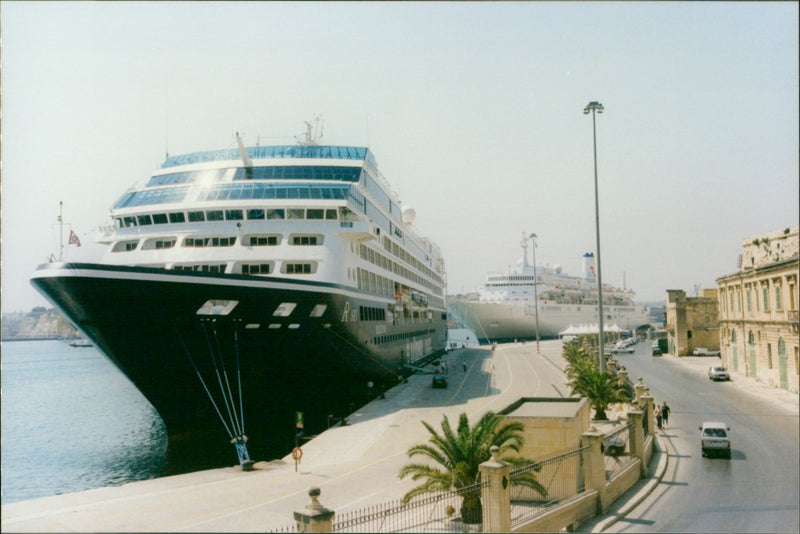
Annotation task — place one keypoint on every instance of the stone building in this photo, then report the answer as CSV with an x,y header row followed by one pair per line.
x,y
692,322
759,310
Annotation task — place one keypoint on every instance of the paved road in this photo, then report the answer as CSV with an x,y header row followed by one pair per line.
x,y
355,466
757,490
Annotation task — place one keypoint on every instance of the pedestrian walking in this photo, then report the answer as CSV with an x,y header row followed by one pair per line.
x,y
658,416
464,365
665,413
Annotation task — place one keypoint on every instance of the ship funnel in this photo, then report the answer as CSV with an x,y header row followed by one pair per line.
x,y
588,266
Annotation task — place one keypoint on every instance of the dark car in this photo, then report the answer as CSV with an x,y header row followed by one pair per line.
x,y
656,350
439,381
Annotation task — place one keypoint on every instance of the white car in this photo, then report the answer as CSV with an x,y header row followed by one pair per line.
x,y
718,373
714,438
618,350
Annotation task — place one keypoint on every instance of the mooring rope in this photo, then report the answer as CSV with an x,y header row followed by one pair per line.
x,y
219,377
210,397
239,376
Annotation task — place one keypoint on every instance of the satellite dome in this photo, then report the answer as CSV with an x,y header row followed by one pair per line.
x,y
557,269
408,214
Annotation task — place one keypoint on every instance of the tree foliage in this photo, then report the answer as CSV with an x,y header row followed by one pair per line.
x,y
457,455
585,379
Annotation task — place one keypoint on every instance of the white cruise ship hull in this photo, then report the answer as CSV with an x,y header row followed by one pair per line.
x,y
499,322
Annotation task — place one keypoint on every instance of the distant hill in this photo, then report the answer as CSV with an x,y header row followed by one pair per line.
x,y
39,323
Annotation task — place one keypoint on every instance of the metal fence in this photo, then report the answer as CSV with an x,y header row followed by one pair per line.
x,y
617,452
450,511
561,476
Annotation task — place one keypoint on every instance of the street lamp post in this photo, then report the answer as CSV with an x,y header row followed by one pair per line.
x,y
535,290
597,107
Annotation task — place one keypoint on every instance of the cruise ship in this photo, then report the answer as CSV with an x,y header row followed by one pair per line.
x,y
505,308
253,294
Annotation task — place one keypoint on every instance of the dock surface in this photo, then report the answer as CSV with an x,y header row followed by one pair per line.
x,y
355,466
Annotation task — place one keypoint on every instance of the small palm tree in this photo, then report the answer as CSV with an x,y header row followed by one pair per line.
x,y
459,455
601,388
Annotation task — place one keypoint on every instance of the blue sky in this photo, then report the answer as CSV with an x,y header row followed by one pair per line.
x,y
473,111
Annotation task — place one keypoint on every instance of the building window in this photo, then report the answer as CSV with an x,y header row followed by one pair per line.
x,y
765,292
769,355
778,304
749,306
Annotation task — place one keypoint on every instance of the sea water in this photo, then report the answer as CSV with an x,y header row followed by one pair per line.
x,y
72,421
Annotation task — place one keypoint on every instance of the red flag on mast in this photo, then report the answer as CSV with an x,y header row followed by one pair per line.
x,y
73,238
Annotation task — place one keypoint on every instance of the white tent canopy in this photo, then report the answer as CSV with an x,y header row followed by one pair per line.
x,y
587,329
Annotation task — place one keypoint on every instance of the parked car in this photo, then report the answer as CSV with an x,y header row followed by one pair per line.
x,y
718,373
439,381
702,351
656,350
618,350
614,446
714,438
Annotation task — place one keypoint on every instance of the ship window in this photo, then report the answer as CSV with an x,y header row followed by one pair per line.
x,y
255,214
276,214
261,240
314,214
298,268
144,220
217,307
256,268
129,221
195,216
214,215
125,246
318,310
295,213
233,215
165,244
177,217
330,214
285,309
306,240
159,218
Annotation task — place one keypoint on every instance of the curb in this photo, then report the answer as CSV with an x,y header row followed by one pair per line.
x,y
636,500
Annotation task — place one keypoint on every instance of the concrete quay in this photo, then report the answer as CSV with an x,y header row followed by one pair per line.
x,y
355,466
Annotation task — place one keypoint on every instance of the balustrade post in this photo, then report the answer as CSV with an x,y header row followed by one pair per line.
x,y
622,376
636,439
594,467
315,517
638,388
496,495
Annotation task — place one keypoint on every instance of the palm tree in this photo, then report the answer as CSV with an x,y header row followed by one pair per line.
x,y
601,387
459,455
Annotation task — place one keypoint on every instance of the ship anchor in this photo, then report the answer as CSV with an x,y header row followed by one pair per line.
x,y
235,429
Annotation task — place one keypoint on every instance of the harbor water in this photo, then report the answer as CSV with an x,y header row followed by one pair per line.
x,y
71,421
